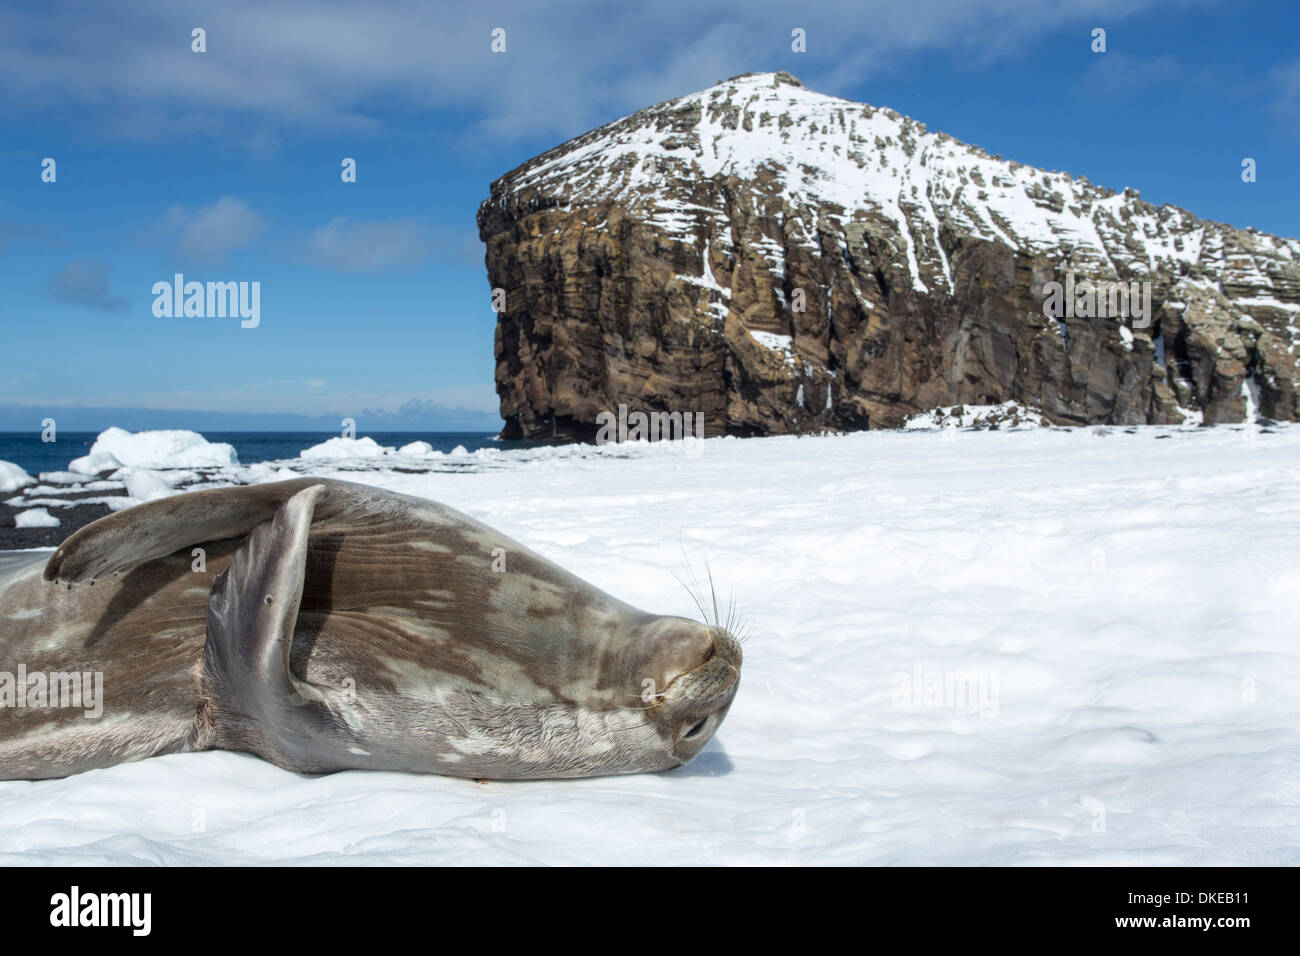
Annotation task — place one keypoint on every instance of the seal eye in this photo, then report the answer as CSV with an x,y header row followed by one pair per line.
x,y
695,731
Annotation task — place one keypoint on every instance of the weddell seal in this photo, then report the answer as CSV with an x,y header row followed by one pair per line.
x,y
325,625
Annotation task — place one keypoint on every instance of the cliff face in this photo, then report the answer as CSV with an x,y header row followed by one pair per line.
x,y
783,261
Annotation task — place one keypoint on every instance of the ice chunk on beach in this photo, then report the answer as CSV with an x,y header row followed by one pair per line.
x,y
261,471
145,485
346,448
35,518
12,477
418,449
61,478
94,464
168,448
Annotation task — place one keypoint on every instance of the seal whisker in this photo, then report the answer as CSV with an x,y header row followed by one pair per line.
x,y
733,622
693,589
697,592
712,590
741,634
692,594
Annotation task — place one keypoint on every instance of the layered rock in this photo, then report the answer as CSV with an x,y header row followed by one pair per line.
x,y
783,261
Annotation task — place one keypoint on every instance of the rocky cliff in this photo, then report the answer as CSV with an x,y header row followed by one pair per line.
x,y
784,261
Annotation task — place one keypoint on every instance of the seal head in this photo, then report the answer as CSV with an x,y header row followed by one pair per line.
x,y
689,673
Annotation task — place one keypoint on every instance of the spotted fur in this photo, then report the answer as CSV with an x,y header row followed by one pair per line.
x,y
389,642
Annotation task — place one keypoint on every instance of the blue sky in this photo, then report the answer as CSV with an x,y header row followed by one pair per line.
x,y
225,165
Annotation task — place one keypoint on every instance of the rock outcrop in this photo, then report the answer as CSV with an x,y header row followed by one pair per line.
x,y
784,261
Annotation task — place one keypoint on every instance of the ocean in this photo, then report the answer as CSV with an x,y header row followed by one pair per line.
x,y
27,451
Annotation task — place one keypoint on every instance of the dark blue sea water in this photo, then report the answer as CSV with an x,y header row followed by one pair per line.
x,y
26,449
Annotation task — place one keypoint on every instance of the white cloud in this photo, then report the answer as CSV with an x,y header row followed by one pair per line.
x,y
350,246
211,232
277,64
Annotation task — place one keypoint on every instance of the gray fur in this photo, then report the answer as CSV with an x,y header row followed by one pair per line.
x,y
389,643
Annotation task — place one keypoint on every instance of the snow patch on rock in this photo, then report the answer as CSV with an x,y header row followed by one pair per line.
x,y
1005,415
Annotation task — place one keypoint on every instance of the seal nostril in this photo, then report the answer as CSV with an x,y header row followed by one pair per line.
x,y
708,655
695,731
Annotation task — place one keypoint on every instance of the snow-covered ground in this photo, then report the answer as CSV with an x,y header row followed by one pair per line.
x,y
999,647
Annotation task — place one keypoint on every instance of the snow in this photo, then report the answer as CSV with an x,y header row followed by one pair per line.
x,y
35,518
783,345
418,449
146,485
117,447
346,448
968,647
1004,415
1270,302
12,477
61,478
30,502
365,448
94,464
1250,392
121,503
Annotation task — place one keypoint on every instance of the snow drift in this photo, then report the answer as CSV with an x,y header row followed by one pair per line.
x,y
995,647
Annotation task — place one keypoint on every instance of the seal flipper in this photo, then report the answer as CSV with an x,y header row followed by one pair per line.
x,y
121,541
249,698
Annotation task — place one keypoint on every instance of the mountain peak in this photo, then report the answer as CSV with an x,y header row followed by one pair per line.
x,y
778,77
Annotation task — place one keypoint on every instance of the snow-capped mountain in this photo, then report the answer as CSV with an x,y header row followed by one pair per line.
x,y
781,261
